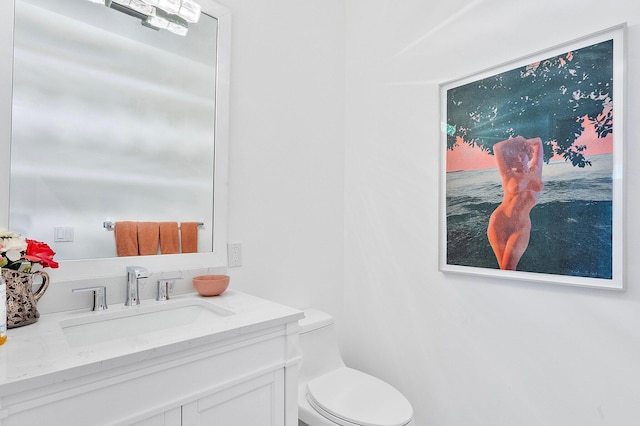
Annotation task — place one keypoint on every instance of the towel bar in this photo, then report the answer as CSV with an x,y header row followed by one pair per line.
x,y
110,226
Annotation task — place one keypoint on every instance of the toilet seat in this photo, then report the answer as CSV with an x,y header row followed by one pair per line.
x,y
350,397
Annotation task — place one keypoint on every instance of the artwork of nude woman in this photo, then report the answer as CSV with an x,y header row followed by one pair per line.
x,y
520,165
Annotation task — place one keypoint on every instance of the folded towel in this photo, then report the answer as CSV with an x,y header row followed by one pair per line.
x,y
126,234
148,237
169,239
189,237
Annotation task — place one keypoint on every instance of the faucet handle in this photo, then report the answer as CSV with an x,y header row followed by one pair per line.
x,y
99,296
138,271
165,287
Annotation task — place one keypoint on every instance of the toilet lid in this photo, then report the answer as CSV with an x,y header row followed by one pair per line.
x,y
351,397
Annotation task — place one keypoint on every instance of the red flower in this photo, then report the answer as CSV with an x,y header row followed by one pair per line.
x,y
40,253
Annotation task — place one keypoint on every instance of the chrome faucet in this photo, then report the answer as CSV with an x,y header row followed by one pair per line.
x,y
165,287
133,274
99,296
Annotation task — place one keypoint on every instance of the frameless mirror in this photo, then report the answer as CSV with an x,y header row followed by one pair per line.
x,y
111,120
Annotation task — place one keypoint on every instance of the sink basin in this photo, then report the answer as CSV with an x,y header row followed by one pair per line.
x,y
141,320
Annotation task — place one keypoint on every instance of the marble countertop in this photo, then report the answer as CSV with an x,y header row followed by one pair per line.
x,y
40,353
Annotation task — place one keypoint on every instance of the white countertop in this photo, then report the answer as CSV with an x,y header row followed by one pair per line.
x,y
40,354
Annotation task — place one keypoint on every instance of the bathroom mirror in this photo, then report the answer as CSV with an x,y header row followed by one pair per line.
x,y
111,120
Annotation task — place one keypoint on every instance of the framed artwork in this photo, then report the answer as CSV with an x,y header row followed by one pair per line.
x,y
532,166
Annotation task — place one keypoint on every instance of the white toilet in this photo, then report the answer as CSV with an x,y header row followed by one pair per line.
x,y
331,394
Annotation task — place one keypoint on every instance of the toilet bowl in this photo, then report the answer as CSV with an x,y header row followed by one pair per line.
x,y
330,393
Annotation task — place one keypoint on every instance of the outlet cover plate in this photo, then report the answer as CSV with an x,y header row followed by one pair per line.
x,y
234,255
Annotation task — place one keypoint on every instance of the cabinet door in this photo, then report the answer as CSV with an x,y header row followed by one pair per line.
x,y
257,402
169,418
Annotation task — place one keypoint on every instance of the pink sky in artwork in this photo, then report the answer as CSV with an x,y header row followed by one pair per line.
x,y
464,157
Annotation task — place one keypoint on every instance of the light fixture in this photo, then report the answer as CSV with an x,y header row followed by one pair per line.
x,y
141,6
178,29
163,20
190,11
169,6
172,15
155,21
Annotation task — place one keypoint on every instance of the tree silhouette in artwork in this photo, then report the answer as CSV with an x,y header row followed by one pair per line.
x,y
552,99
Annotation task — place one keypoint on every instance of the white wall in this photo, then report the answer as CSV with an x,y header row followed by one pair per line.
x,y
287,149
469,351
466,351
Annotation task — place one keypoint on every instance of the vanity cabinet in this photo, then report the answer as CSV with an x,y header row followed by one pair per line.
x,y
242,376
257,402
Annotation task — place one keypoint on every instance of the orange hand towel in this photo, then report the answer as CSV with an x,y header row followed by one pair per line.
x,y
126,234
189,237
169,239
148,237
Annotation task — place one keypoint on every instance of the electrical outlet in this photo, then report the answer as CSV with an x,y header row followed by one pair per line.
x,y
234,255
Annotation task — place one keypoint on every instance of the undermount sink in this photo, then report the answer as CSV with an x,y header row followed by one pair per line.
x,y
138,321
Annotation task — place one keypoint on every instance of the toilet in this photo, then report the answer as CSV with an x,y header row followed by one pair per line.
x,y
330,393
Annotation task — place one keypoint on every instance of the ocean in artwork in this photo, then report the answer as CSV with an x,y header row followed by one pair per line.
x,y
571,226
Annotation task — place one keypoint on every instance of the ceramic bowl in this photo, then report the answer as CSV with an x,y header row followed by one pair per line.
x,y
211,285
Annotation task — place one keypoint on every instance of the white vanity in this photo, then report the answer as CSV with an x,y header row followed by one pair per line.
x,y
227,360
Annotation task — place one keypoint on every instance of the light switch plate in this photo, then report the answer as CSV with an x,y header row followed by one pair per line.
x,y
63,234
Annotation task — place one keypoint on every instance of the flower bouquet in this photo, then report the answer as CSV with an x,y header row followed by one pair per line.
x,y
24,255
21,261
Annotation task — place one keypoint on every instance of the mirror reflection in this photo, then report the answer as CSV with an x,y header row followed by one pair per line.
x,y
111,121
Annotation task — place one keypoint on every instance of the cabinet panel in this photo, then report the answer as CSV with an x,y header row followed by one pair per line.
x,y
170,418
258,402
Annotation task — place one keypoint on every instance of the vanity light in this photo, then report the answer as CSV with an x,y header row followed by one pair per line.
x,y
141,6
159,19
169,6
172,15
190,11
177,29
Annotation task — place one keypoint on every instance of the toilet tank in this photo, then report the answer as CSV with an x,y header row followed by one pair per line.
x,y
319,345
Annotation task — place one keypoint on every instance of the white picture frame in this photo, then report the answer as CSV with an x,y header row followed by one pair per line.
x,y
577,224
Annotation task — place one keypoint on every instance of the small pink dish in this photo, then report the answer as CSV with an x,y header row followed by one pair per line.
x,y
211,285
